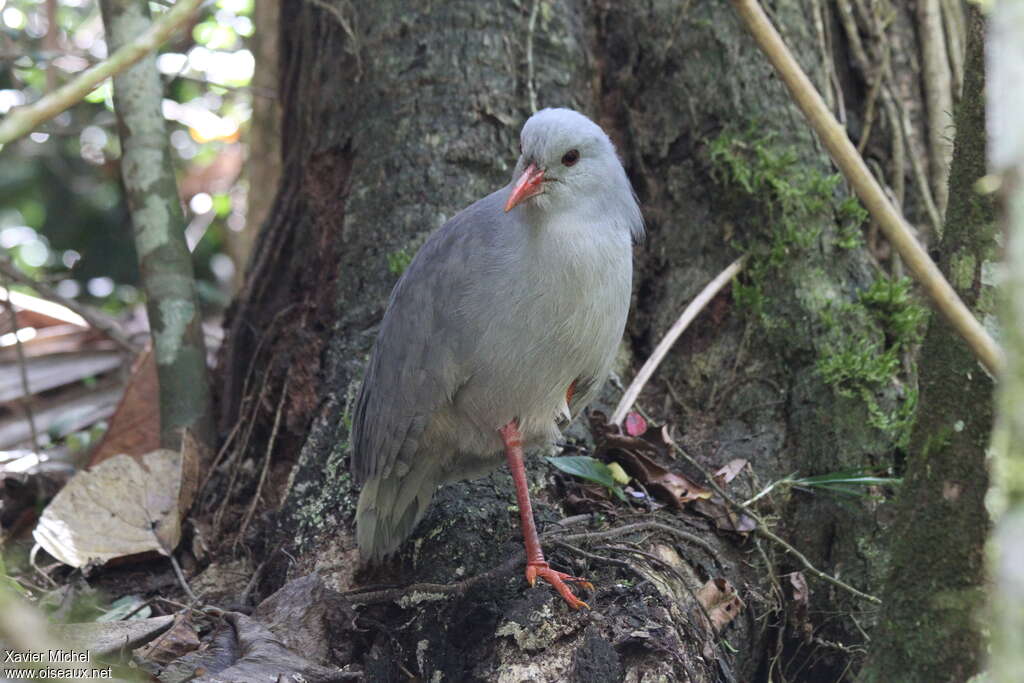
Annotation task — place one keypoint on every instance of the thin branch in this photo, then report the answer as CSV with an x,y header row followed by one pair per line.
x,y
762,529
23,120
266,461
530,85
26,403
892,223
105,325
689,314
441,590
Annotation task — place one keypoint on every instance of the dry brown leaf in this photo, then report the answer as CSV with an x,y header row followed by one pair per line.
x,y
118,508
724,517
177,641
801,601
637,455
135,426
729,470
720,603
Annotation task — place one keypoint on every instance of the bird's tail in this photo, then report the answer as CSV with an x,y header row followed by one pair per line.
x,y
389,509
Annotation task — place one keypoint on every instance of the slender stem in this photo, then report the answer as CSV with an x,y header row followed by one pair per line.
x,y
692,311
23,120
102,323
833,136
762,529
23,371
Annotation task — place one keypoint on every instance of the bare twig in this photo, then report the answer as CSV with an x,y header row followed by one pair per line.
x,y
692,311
633,528
26,403
23,120
181,578
440,589
835,139
762,529
266,461
99,321
530,86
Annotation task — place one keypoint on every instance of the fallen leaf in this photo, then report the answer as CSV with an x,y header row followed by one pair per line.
x,y
724,517
636,455
635,424
728,471
801,601
308,617
135,425
618,474
118,508
175,642
720,604
588,468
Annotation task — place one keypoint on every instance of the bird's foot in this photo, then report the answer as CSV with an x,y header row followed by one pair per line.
x,y
558,581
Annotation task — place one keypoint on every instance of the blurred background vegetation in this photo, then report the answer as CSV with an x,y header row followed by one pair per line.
x,y
62,216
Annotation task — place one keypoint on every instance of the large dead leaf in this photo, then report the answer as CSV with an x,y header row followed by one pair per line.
x,y
118,508
135,427
639,456
173,643
720,604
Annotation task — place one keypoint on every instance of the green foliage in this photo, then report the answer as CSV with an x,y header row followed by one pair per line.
x,y
63,218
797,201
860,342
891,303
591,469
398,261
864,342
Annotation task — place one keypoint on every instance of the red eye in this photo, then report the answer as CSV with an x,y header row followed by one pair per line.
x,y
570,157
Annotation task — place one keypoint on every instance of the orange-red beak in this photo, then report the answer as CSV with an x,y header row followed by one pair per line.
x,y
528,185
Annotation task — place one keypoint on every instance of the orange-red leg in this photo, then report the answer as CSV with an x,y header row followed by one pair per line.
x,y
536,566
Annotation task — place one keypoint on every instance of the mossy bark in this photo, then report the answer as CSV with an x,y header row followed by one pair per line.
x,y
930,629
397,117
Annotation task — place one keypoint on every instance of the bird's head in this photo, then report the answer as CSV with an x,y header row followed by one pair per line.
x,y
567,163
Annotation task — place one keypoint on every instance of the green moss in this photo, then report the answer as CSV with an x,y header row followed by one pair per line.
x,y
864,341
797,201
398,261
858,343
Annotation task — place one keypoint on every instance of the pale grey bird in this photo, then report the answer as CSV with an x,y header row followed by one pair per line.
x,y
502,328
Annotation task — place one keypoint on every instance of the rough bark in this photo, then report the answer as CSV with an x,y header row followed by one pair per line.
x,y
940,520
158,225
396,118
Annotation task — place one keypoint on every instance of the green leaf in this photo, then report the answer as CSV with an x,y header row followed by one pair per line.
x,y
585,467
591,469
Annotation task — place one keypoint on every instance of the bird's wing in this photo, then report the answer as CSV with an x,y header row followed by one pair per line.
x,y
417,364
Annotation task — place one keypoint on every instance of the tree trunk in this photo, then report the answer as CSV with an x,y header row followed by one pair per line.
x,y
158,224
396,118
941,523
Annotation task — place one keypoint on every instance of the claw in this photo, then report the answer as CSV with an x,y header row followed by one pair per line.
x,y
557,580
